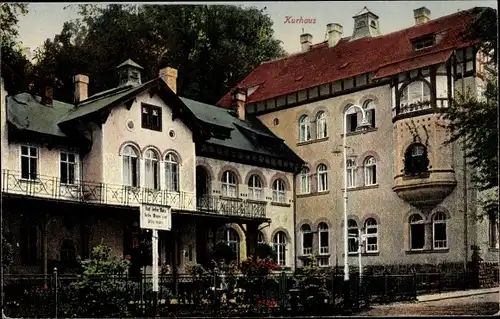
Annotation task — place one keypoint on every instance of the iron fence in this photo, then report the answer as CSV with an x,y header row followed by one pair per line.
x,y
212,294
110,194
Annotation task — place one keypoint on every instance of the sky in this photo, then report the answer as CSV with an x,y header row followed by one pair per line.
x,y
45,20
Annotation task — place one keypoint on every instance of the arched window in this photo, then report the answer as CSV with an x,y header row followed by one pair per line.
x,y
307,239
351,172
279,243
68,253
323,239
322,176
416,160
353,236
232,239
321,127
130,166
352,118
229,184
361,24
417,232
255,187
152,170
260,238
369,107
370,165
493,230
279,191
171,172
371,231
305,181
439,231
304,128
412,95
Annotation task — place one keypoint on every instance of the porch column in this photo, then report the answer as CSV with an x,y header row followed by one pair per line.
x,y
251,238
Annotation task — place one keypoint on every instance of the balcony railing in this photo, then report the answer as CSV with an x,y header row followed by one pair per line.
x,y
231,207
415,106
94,193
111,194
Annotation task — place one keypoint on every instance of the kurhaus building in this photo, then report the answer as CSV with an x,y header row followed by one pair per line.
x,y
408,193
75,175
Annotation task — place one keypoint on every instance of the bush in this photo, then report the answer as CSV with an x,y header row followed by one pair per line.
x,y
102,290
221,251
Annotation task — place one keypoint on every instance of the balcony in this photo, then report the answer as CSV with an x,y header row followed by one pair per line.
x,y
119,195
231,207
93,193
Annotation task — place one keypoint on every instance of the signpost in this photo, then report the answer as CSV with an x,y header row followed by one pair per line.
x,y
155,217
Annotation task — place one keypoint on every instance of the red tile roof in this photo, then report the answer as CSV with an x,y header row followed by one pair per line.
x,y
384,55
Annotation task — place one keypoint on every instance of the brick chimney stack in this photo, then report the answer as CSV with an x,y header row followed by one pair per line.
x,y
422,15
81,87
239,101
306,41
334,31
48,95
169,76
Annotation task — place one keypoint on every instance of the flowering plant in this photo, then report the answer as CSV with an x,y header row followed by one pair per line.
x,y
255,266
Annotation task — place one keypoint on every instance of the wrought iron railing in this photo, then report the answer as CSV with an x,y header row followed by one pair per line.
x,y
231,207
91,192
111,194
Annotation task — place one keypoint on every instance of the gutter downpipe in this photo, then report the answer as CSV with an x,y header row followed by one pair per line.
x,y
295,174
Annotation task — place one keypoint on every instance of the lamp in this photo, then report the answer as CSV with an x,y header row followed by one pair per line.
x,y
363,125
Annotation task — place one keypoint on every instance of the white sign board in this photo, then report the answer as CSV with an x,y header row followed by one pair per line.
x,y
155,217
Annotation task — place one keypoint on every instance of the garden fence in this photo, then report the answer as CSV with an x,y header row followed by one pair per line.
x,y
280,294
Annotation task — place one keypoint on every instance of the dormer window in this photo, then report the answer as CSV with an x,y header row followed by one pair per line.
x,y
424,43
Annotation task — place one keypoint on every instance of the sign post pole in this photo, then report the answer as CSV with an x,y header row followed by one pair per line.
x,y
155,217
155,271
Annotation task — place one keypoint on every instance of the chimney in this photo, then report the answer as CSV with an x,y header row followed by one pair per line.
x,y
306,41
239,99
169,76
81,87
47,96
334,31
422,15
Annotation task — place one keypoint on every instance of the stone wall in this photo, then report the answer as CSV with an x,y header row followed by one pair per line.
x,y
488,274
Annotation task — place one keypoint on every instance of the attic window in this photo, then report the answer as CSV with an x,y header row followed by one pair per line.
x,y
424,43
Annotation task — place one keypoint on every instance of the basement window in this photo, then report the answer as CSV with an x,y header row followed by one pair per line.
x,y
424,43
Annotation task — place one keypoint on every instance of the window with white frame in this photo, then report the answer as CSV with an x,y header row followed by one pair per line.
x,y
370,168
279,191
307,240
304,129
255,187
323,239
439,231
171,172
371,235
130,166
351,172
152,169
417,232
415,92
493,231
321,127
29,162
322,177
279,244
352,236
305,181
229,184
369,107
67,168
232,239
261,240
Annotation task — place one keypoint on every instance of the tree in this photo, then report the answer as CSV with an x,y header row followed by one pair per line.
x,y
213,47
475,118
16,69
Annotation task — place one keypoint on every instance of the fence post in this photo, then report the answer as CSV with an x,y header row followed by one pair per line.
x,y
283,293
333,275
385,297
55,292
439,281
216,301
414,285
